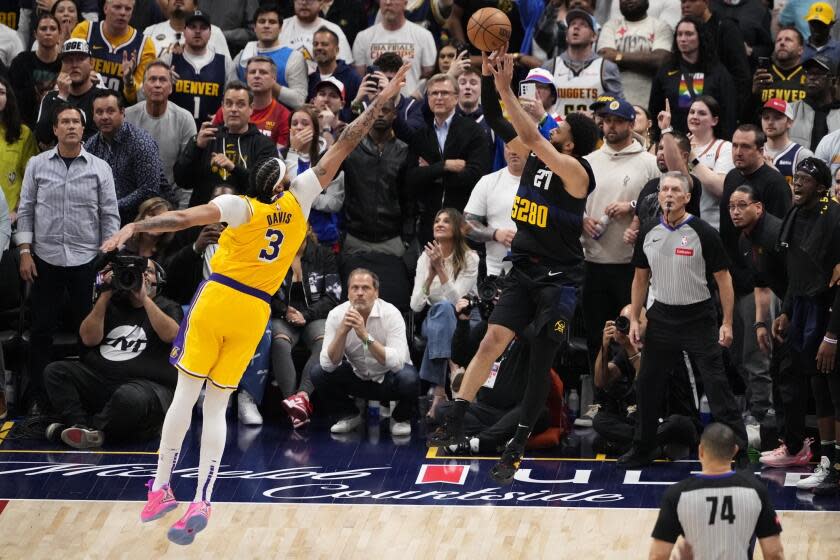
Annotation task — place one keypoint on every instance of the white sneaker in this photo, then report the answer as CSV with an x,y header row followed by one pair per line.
x,y
345,425
385,408
248,412
819,475
400,428
753,435
585,420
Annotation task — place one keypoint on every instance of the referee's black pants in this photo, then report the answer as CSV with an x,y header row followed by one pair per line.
x,y
672,329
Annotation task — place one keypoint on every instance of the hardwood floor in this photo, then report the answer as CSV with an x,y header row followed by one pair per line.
x,y
81,529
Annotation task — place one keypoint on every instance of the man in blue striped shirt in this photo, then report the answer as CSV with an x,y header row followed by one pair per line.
x,y
68,207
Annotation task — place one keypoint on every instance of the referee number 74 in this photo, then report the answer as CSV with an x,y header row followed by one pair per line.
x,y
727,511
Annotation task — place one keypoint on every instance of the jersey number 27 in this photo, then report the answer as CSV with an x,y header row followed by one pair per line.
x,y
275,240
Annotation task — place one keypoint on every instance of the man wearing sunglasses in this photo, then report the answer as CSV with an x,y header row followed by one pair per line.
x,y
810,322
773,191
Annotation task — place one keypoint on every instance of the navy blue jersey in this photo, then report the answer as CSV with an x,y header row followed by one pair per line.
x,y
786,161
549,220
107,59
199,91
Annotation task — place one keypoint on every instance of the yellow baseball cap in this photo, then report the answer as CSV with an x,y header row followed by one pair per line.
x,y
821,11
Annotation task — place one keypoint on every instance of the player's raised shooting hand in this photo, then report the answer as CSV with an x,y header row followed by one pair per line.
x,y
396,83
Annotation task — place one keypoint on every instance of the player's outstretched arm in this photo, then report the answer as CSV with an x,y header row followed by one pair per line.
x,y
328,165
575,178
175,220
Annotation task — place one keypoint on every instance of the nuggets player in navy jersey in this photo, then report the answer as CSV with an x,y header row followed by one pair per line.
x,y
229,312
540,293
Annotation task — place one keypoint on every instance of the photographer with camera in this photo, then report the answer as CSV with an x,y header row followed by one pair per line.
x,y
409,110
491,420
446,272
122,386
616,367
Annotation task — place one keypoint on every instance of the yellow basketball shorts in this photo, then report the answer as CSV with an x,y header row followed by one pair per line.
x,y
220,333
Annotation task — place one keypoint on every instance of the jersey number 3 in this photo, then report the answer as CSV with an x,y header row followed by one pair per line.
x,y
275,240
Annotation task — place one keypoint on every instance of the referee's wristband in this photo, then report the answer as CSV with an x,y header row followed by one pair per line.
x,y
832,341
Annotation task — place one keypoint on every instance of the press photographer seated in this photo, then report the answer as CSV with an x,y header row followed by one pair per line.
x,y
616,367
123,384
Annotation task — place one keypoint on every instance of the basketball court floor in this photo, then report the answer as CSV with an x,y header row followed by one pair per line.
x,y
307,494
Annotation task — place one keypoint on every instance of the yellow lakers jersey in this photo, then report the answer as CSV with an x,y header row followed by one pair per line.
x,y
259,252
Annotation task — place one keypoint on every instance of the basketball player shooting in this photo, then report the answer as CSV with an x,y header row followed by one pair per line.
x,y
540,293
229,312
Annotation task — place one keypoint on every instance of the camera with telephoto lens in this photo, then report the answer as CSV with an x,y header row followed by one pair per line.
x,y
127,270
622,325
485,298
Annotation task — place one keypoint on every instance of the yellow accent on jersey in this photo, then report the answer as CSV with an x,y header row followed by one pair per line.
x,y
259,252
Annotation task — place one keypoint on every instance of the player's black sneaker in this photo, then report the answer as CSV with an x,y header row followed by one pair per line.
x,y
503,472
461,448
830,484
450,431
638,457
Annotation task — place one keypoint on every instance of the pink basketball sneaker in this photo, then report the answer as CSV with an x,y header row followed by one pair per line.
x,y
158,503
184,530
781,457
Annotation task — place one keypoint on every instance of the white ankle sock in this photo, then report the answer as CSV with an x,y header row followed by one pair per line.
x,y
213,435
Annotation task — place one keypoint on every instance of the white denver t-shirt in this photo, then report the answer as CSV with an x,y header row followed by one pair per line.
x,y
492,197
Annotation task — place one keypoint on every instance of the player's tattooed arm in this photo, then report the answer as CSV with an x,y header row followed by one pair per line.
x,y
161,222
478,230
174,220
350,137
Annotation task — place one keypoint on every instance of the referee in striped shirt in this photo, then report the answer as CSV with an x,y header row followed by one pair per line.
x,y
717,511
675,257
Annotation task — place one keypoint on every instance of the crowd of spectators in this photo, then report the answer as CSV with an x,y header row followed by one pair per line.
x,y
118,110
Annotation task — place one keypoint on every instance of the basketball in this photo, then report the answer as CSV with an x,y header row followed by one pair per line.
x,y
488,29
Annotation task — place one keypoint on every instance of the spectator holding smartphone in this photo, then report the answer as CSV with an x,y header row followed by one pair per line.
x,y
227,152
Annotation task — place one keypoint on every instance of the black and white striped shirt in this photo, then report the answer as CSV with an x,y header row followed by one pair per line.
x,y
717,514
680,259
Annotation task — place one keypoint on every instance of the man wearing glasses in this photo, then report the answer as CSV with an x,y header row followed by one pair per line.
x,y
447,157
773,190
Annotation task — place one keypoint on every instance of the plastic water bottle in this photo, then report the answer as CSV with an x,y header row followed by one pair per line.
x,y
574,404
705,411
373,411
601,226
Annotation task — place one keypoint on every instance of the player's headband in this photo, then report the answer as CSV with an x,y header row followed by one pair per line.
x,y
282,176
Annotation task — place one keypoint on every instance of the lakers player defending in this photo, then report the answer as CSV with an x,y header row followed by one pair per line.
x,y
229,312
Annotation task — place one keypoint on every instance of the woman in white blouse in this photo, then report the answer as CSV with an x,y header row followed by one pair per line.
x,y
446,271
711,156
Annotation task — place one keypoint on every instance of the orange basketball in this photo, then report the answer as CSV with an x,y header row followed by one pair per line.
x,y
488,29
